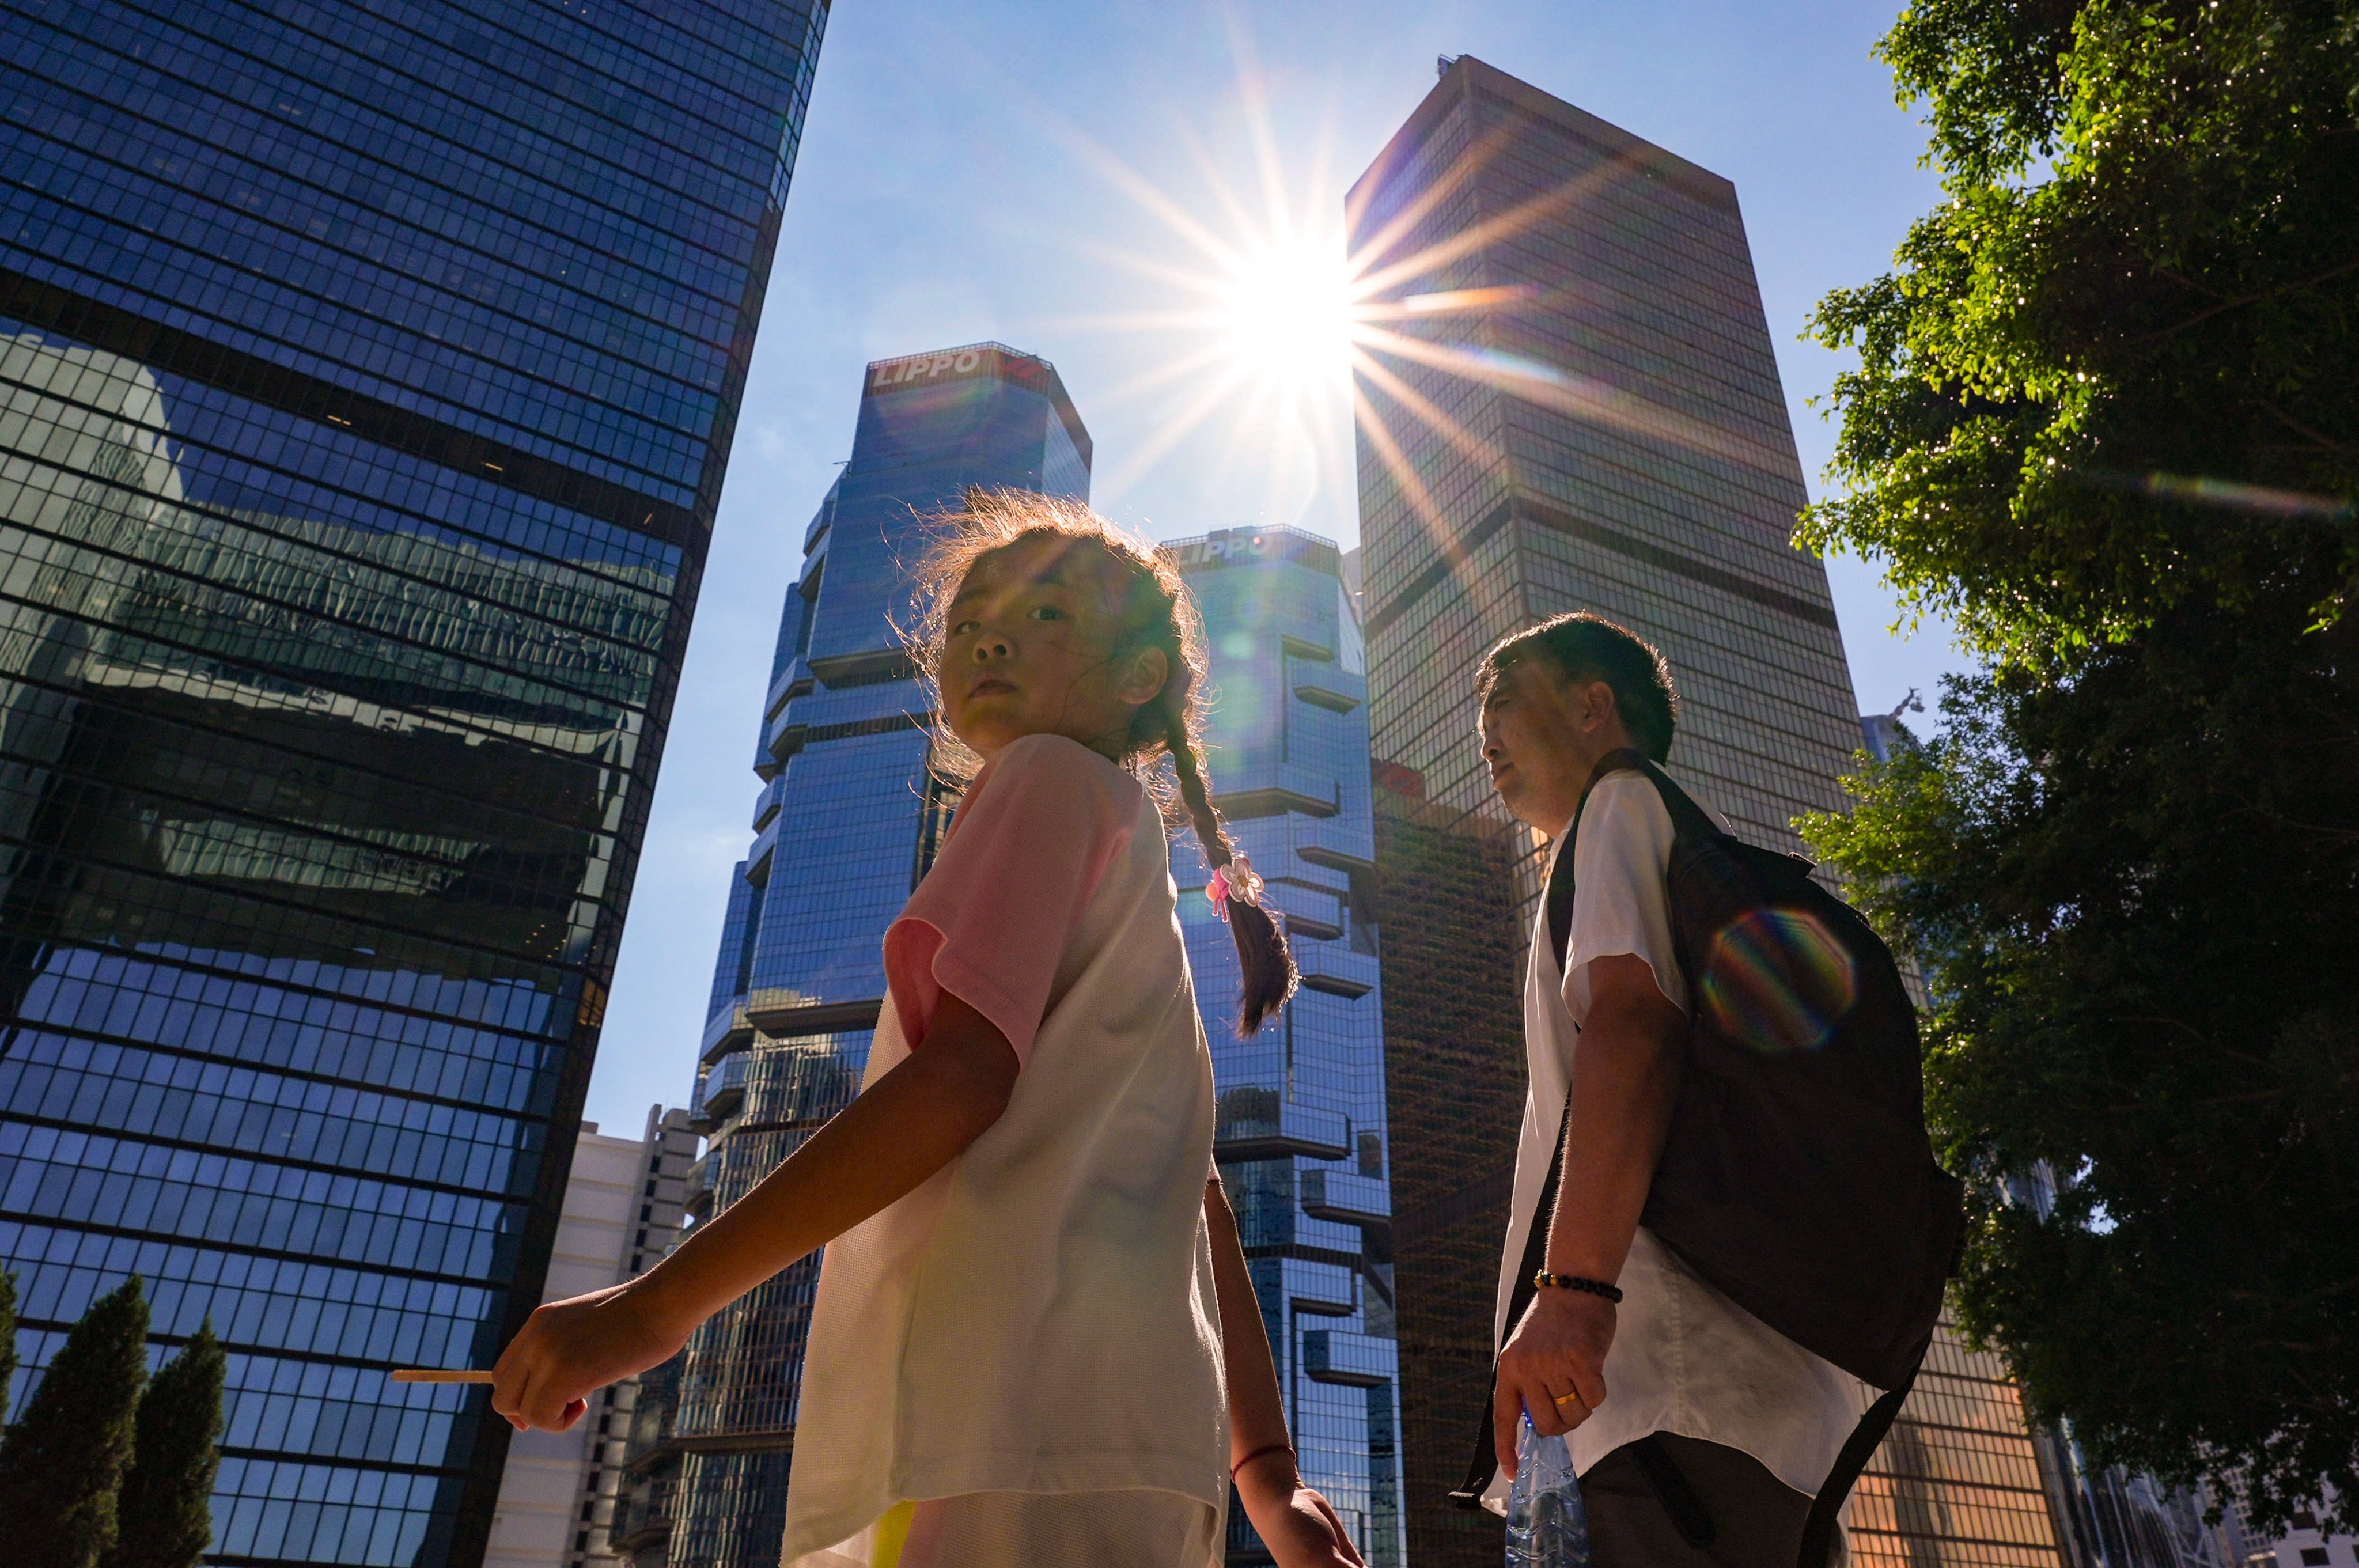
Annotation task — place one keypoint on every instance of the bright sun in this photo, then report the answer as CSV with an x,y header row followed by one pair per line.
x,y
1284,315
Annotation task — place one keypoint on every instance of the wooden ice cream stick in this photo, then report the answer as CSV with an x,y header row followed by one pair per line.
x,y
423,1375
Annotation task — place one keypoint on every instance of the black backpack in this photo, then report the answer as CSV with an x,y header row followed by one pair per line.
x,y
1797,1177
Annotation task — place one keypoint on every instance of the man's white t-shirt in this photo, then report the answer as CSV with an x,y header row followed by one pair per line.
x,y
1685,1358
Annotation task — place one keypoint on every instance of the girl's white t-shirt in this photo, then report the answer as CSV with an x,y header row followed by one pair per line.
x,y
1039,1316
1685,1358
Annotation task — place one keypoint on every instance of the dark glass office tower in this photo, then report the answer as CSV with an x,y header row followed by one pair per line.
x,y
844,826
1578,408
1300,1134
367,374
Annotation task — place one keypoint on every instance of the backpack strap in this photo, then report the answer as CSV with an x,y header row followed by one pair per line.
x,y
1486,1462
1688,819
1819,1530
1560,887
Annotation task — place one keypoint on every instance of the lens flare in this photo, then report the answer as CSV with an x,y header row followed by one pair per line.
x,y
1776,981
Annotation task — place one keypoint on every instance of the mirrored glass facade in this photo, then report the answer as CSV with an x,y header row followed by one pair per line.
x,y
367,376
844,824
1301,1136
1579,408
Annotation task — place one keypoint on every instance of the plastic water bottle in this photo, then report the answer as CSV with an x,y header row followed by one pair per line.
x,y
1546,1526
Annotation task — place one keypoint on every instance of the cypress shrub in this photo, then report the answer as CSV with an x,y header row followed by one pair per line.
x,y
164,1512
61,1465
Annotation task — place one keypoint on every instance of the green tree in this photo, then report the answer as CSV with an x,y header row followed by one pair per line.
x,y
62,1465
165,1508
2106,417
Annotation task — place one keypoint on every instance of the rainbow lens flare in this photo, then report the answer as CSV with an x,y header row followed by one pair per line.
x,y
1776,981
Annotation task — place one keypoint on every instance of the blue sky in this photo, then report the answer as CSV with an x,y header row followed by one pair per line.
x,y
1066,179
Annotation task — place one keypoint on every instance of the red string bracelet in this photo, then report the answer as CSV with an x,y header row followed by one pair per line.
x,y
1286,1448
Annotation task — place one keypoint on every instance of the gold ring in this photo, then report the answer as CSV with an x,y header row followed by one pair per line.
x,y
1568,1398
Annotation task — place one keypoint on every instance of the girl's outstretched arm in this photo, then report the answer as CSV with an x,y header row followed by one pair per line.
x,y
906,1125
1295,1523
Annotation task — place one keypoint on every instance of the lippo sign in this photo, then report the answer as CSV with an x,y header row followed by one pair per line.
x,y
1243,546
927,369
1228,547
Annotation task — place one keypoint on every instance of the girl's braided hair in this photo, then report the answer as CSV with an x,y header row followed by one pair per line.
x,y
1152,610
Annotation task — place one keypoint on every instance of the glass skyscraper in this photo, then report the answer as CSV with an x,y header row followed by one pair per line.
x,y
1301,1135
1579,408
844,824
367,376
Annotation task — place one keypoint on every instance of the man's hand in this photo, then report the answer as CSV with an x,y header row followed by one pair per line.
x,y
567,1348
1625,1075
1299,1526
1554,1367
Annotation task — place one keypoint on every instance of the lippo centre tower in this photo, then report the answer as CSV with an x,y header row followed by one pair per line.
x,y
1301,1135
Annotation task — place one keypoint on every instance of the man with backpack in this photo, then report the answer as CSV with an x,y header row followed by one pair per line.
x,y
1702,1434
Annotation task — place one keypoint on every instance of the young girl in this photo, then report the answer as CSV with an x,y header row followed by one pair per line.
x,y
1036,1342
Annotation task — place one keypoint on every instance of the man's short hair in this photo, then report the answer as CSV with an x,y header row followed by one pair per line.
x,y
1581,647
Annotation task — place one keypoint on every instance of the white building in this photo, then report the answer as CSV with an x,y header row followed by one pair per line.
x,y
622,1214
2306,1547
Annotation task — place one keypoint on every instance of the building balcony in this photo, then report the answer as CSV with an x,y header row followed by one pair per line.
x,y
765,846
1328,686
697,1203
1336,970
1323,1289
1358,1360
1265,791
1343,843
722,1093
728,1030
796,674
766,803
1346,1198
1254,1124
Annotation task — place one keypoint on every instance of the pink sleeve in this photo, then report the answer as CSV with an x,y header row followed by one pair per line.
x,y
989,924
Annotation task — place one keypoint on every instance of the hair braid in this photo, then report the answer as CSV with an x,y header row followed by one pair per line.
x,y
1269,977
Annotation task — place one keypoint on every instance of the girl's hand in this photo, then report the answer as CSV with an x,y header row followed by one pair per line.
x,y
1297,1525
569,1348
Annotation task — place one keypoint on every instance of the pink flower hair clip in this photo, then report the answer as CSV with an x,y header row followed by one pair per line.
x,y
1236,880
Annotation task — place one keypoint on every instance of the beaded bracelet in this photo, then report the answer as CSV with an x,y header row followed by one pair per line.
x,y
1544,1280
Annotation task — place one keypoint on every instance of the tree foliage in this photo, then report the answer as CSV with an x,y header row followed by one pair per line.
x,y
2106,417
62,1465
165,1508
2173,293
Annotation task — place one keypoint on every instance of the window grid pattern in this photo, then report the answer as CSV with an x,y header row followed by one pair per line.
x,y
1957,1483
236,245
366,379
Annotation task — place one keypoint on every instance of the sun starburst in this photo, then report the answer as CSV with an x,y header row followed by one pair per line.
x,y
1272,328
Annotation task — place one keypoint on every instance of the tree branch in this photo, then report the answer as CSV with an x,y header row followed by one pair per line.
x,y
2297,428
2244,299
